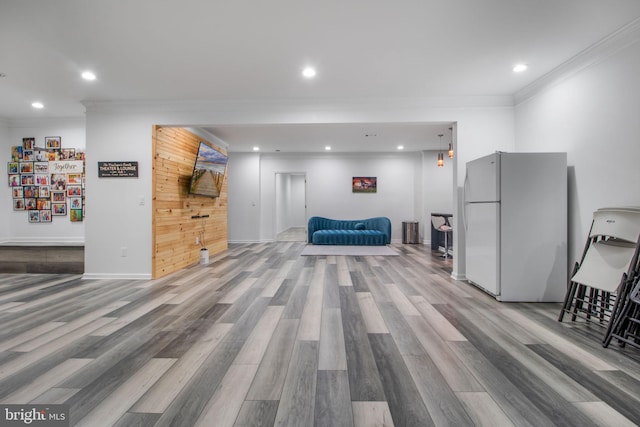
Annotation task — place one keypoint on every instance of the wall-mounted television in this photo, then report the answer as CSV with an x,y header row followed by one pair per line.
x,y
208,171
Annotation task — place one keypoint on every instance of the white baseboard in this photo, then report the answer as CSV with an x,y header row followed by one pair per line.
x,y
109,276
459,277
42,242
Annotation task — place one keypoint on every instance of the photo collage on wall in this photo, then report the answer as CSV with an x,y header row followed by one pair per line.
x,y
47,181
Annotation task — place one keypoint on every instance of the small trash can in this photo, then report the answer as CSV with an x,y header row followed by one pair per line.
x,y
204,256
410,232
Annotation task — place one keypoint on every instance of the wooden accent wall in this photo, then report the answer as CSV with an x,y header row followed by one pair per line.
x,y
174,229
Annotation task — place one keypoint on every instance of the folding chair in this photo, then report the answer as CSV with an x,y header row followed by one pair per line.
x,y
626,327
600,281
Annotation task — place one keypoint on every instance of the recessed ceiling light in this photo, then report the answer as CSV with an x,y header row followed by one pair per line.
x,y
328,148
519,68
38,105
309,72
88,75
256,148
400,147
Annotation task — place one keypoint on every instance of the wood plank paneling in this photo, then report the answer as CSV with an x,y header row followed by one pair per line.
x,y
174,229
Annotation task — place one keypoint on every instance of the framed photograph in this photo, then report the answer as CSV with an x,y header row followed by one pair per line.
x,y
40,167
75,215
26,167
42,179
34,216
364,184
14,180
17,192
28,143
27,180
58,209
53,155
40,155
30,192
58,181
13,167
74,179
44,192
30,204
27,155
58,196
45,216
74,191
53,142
75,202
80,155
16,153
67,154
18,204
43,204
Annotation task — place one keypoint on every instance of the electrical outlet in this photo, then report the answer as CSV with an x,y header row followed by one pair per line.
x,y
123,251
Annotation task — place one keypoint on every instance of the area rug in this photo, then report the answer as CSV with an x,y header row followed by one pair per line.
x,y
322,250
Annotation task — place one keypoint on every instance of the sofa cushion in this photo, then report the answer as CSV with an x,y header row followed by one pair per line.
x,y
359,226
349,237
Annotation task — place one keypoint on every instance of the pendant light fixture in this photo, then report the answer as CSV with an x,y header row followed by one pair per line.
x,y
440,154
451,145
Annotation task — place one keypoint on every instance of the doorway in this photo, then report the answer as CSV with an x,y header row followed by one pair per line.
x,y
291,206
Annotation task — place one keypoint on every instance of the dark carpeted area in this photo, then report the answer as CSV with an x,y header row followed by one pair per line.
x,y
42,259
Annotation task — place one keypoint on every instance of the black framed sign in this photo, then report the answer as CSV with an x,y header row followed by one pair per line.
x,y
117,169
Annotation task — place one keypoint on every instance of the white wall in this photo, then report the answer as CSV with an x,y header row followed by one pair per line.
x,y
117,220
593,116
243,174
17,228
438,190
118,223
7,205
329,192
297,200
290,201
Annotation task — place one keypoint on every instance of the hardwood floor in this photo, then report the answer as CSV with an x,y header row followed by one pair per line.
x,y
265,337
293,234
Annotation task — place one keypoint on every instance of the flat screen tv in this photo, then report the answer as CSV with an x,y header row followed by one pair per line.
x,y
208,171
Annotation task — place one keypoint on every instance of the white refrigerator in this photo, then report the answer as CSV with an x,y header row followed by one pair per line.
x,y
515,219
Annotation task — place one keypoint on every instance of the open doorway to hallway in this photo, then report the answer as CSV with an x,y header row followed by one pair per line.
x,y
291,206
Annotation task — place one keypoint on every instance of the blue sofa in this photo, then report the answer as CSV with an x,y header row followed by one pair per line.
x,y
361,232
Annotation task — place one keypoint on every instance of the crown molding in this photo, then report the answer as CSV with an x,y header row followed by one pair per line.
x,y
308,105
593,55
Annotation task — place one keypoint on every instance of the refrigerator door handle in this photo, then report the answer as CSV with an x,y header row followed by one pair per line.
x,y
464,198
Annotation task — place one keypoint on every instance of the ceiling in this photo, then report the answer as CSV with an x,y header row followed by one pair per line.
x,y
204,50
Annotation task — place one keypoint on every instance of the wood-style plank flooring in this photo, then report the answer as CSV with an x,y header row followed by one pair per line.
x,y
263,336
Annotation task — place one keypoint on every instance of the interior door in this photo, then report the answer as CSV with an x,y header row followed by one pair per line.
x,y
291,205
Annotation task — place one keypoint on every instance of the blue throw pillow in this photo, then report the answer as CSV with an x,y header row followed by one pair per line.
x,y
359,226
